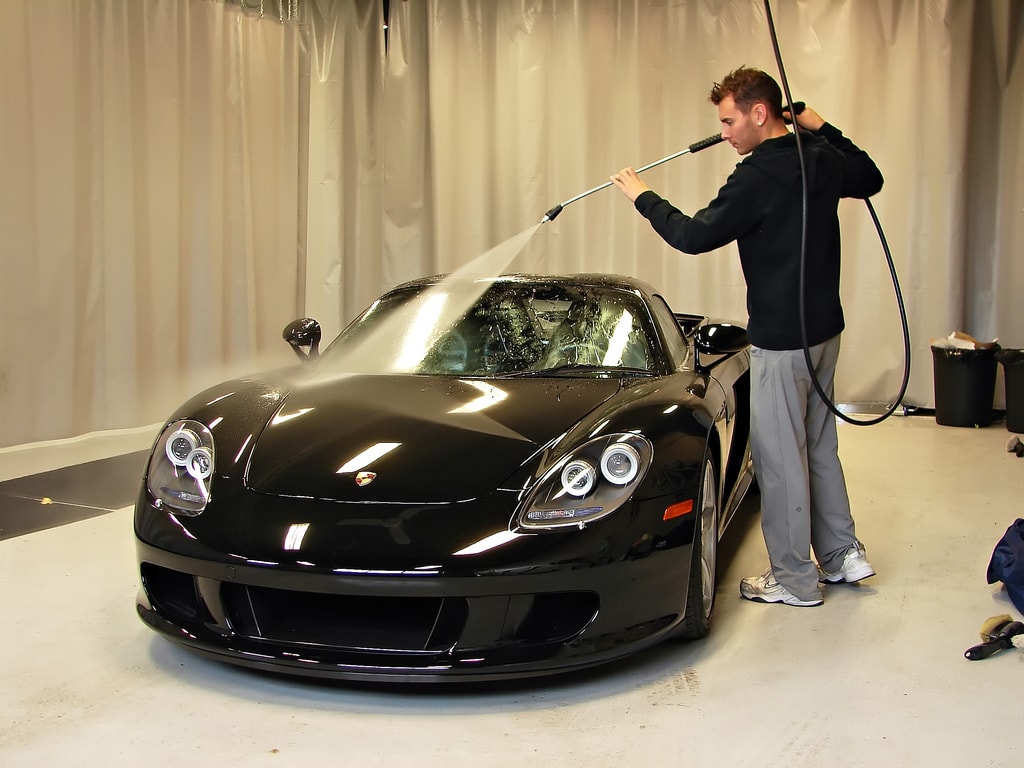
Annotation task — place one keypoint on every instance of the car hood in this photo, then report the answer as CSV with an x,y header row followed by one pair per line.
x,y
412,439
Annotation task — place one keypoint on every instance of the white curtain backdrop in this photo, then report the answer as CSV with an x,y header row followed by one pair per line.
x,y
179,178
150,202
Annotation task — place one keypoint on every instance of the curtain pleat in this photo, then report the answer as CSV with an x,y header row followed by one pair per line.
x,y
342,264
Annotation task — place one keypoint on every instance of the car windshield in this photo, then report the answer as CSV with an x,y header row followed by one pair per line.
x,y
500,328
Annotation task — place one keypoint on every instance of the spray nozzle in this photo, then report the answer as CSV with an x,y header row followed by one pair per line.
x,y
550,215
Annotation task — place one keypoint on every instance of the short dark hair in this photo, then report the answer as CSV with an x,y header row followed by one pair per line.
x,y
747,87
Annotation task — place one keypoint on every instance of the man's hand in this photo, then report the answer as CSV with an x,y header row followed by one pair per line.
x,y
808,119
629,183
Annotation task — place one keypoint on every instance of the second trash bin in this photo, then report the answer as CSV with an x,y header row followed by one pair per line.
x,y
965,385
1013,370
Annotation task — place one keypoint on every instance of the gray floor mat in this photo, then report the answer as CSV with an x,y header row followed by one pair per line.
x,y
36,502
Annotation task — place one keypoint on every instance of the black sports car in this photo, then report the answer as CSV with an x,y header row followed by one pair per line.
x,y
478,479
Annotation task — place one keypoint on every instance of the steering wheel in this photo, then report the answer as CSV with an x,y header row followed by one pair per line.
x,y
581,353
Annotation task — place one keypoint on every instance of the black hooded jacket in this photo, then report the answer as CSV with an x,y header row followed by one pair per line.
x,y
761,208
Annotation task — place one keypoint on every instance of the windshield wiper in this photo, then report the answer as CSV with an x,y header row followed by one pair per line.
x,y
612,371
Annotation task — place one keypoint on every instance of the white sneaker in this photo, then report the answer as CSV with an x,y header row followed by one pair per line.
x,y
855,568
765,589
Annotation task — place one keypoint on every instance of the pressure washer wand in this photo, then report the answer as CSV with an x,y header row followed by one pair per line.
x,y
697,146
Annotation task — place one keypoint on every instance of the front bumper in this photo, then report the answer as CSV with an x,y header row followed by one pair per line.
x,y
413,627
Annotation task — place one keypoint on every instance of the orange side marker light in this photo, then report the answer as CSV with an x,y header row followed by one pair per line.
x,y
678,510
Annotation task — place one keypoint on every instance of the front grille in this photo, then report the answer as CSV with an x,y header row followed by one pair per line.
x,y
426,625
344,621
556,616
172,593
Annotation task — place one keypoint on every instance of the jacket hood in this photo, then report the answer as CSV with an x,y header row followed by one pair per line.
x,y
412,439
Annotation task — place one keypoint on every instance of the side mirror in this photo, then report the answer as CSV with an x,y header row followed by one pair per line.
x,y
719,339
301,333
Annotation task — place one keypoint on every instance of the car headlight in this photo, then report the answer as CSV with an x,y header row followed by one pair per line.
x,y
620,463
588,484
578,477
181,466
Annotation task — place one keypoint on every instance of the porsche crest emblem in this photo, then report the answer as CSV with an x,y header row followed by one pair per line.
x,y
365,478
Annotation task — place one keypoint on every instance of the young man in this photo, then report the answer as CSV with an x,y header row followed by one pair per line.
x,y
804,502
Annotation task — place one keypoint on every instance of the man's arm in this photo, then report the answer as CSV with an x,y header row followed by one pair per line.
x,y
727,217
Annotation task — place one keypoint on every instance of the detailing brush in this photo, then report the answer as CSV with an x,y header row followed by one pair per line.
x,y
992,625
997,634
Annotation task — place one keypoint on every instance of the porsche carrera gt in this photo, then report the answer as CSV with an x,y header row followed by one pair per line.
x,y
475,480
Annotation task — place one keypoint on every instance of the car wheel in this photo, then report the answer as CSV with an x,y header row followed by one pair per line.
x,y
700,594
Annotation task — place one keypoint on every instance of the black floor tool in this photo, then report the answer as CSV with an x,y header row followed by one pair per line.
x,y
1000,637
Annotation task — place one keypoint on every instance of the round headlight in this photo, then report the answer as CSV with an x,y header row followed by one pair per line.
x,y
620,463
578,477
179,446
181,468
200,463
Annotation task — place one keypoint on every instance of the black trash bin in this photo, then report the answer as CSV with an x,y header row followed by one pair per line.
x,y
965,385
1013,370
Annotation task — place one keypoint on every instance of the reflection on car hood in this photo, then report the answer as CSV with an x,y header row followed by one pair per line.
x,y
413,439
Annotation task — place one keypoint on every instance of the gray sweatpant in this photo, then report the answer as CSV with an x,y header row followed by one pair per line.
x,y
795,448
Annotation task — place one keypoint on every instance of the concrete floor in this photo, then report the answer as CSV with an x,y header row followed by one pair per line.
x,y
875,677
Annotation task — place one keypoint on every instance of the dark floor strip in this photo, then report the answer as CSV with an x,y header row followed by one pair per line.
x,y
37,502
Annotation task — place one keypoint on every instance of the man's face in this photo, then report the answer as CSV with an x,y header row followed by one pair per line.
x,y
738,128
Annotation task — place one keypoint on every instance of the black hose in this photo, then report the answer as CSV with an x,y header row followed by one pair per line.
x,y
803,264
